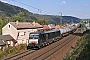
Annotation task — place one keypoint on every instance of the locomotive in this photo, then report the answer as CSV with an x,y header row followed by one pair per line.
x,y
43,38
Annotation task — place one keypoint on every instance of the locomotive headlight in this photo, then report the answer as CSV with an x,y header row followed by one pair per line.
x,y
36,40
33,40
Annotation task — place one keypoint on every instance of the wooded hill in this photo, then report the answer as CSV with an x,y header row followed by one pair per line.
x,y
65,19
10,10
7,11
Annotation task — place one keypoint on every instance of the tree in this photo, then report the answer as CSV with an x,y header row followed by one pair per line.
x,y
1,25
19,17
42,21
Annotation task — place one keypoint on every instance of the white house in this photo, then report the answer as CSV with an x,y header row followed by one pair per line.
x,y
20,30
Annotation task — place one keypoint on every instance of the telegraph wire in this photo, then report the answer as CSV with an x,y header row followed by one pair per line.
x,y
39,10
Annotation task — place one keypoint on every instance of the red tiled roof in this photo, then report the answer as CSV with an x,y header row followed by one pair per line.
x,y
25,25
45,27
57,26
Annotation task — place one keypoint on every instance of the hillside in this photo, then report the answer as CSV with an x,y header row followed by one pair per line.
x,y
10,10
65,19
7,10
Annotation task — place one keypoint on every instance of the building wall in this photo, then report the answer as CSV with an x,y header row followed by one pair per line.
x,y
9,29
20,35
23,35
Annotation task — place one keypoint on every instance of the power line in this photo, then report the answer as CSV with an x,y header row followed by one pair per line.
x,y
40,10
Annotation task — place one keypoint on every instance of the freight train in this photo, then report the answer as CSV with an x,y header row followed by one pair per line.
x,y
42,38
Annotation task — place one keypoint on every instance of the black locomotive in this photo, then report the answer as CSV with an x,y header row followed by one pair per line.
x,y
43,38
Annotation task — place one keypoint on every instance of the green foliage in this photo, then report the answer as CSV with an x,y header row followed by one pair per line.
x,y
7,10
19,17
82,49
21,47
1,55
1,25
41,21
12,50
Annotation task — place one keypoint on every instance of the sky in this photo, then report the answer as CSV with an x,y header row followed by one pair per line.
x,y
76,8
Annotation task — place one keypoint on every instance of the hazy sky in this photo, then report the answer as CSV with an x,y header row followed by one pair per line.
x,y
76,8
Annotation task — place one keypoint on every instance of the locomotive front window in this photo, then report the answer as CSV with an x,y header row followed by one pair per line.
x,y
34,36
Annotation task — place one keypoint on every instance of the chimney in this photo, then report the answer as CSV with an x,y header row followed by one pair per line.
x,y
16,22
33,23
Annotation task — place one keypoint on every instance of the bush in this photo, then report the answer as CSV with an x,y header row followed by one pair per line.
x,y
1,55
12,50
82,50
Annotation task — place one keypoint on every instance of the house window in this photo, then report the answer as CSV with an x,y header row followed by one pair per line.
x,y
21,33
9,26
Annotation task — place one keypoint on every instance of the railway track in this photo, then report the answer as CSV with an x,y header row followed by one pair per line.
x,y
60,54
44,53
53,50
19,55
50,52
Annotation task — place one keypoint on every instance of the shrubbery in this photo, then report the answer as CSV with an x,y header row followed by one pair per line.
x,y
82,49
12,50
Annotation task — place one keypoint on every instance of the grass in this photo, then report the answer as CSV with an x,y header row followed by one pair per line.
x,y
12,50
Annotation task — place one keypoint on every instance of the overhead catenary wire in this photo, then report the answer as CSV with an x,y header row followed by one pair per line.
x,y
39,10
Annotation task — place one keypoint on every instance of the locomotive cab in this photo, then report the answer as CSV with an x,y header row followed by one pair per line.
x,y
33,40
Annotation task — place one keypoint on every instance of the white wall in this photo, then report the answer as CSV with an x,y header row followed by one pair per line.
x,y
22,38
9,29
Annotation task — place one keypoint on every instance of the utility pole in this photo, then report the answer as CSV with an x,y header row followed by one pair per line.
x,y
60,18
71,21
